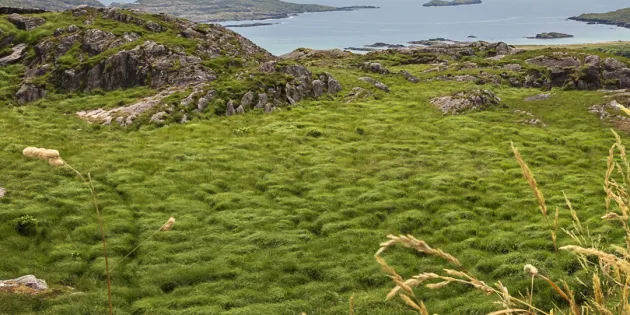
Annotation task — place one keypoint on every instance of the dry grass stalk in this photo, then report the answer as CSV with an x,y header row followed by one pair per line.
x,y
351,311
54,158
411,242
529,176
164,228
554,232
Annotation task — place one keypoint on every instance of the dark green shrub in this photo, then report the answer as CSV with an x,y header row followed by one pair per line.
x,y
26,225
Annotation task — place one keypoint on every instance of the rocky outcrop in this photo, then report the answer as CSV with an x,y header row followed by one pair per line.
x,y
570,72
126,115
17,53
25,22
530,119
149,64
466,101
379,85
24,285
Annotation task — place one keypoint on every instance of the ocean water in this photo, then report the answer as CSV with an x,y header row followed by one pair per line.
x,y
400,21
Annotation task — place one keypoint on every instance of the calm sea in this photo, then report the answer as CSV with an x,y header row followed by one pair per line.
x,y
400,21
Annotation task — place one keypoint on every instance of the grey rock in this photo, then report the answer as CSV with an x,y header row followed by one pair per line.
x,y
539,97
96,41
379,85
262,100
357,93
229,109
318,88
268,67
334,86
457,78
462,102
269,108
29,281
17,53
202,103
154,27
29,93
157,117
555,61
513,67
247,101
240,110
410,77
24,22
374,67
612,64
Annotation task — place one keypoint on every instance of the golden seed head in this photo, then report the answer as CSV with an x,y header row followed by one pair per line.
x,y
57,162
531,270
52,156
49,154
169,224
611,216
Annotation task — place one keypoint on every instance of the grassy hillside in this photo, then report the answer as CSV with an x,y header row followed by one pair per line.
x,y
217,10
282,213
52,5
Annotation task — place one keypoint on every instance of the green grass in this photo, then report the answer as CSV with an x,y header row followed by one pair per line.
x,y
272,220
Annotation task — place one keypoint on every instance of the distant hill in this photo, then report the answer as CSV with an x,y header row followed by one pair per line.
x,y
620,18
52,5
222,10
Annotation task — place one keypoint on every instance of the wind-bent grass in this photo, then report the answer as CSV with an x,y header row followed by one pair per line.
x,y
611,297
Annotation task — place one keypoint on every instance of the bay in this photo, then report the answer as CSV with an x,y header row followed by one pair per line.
x,y
400,21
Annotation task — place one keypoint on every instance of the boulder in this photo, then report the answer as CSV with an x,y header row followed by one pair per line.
x,y
247,101
262,100
240,110
29,93
229,109
96,41
612,64
334,86
409,77
157,117
24,22
17,53
2,192
318,88
374,67
379,85
465,101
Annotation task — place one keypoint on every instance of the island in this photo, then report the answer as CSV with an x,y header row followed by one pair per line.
x,y
230,10
551,35
445,3
249,25
49,5
619,18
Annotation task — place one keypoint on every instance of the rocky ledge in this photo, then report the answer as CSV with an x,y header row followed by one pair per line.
x,y
466,101
551,35
24,285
